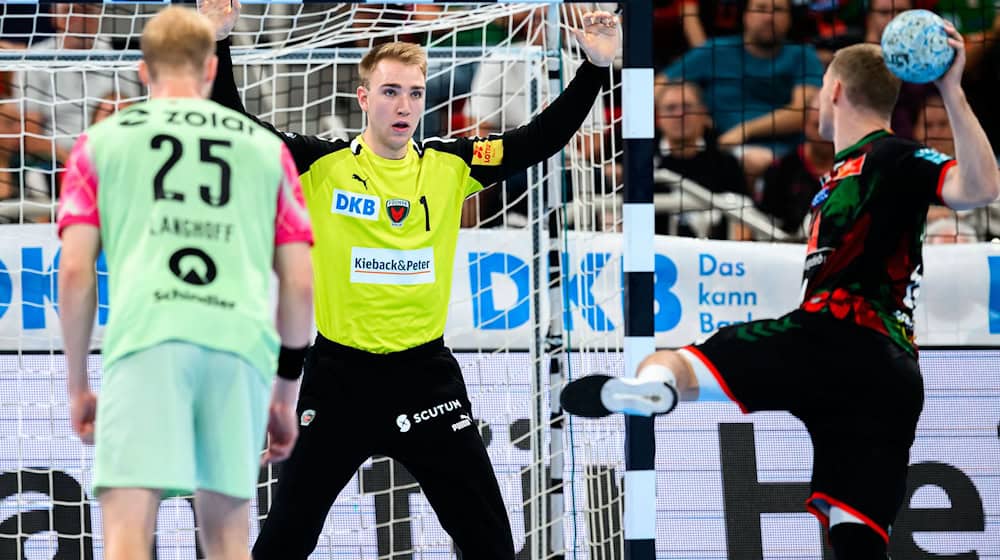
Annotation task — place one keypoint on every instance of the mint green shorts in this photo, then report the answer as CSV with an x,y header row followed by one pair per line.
x,y
180,417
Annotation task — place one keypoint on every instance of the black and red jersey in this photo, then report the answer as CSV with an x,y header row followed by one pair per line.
x,y
864,260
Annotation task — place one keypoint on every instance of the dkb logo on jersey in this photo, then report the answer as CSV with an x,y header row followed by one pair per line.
x,y
398,210
355,205
193,266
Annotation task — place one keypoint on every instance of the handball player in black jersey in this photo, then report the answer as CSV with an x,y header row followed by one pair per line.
x,y
844,362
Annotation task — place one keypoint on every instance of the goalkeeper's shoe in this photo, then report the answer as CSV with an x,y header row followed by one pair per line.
x,y
599,395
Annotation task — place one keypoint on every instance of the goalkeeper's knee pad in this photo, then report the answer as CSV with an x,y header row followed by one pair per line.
x,y
855,541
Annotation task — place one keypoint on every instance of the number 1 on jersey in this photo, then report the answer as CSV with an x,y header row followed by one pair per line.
x,y
427,213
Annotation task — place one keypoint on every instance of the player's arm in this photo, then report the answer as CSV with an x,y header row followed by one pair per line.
x,y
293,266
81,242
975,181
224,13
781,121
553,128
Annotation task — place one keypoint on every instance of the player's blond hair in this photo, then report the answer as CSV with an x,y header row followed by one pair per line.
x,y
177,39
868,82
407,53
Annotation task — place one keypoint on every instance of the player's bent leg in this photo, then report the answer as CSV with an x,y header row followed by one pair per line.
x,y
129,519
664,378
598,395
224,525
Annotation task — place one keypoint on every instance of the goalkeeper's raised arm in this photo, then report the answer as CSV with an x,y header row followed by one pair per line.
x,y
546,134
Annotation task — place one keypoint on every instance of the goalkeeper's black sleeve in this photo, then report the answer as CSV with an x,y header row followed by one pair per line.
x,y
305,149
551,130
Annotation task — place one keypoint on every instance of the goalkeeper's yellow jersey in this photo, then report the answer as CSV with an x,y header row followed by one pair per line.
x,y
386,230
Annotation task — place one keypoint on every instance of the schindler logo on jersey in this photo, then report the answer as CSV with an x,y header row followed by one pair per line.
x,y
391,266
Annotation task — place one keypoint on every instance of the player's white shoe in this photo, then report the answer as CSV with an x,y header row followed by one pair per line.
x,y
599,395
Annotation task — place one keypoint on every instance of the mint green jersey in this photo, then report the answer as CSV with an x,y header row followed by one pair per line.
x,y
187,195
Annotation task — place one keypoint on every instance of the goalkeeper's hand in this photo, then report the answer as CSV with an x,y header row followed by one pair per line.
x,y
600,37
223,14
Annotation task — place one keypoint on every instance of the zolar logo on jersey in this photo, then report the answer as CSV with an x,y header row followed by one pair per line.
x,y
398,209
355,205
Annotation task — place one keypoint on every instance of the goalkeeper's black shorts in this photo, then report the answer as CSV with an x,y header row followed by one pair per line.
x,y
412,406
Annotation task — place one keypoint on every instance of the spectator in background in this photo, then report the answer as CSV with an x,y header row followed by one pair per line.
x,y
676,28
933,128
448,82
109,104
755,86
950,230
911,96
791,183
720,17
65,99
855,21
18,24
27,161
684,148
977,20
981,86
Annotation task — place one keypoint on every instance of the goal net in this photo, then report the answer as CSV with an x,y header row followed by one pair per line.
x,y
536,297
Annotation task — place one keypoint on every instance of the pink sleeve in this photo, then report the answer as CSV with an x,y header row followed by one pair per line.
x,y
78,200
291,223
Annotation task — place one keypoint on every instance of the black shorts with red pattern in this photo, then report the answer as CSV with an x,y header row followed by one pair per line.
x,y
858,393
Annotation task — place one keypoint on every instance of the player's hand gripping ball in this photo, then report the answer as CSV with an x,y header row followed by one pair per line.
x,y
915,46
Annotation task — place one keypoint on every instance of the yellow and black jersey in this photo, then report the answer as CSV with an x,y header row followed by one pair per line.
x,y
386,230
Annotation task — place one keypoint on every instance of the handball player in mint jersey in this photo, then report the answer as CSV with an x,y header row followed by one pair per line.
x,y
845,362
191,236
386,211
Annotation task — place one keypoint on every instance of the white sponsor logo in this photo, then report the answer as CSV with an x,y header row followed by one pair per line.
x,y
356,205
403,423
435,411
307,417
391,266
465,422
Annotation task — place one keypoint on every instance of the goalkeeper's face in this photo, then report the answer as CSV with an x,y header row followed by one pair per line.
x,y
394,103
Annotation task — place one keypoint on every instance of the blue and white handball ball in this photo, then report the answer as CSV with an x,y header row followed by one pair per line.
x,y
915,46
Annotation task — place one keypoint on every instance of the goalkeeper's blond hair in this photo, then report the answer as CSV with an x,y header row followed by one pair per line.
x,y
409,54
177,39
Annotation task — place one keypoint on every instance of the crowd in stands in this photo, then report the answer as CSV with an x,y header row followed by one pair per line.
x,y
751,69
733,102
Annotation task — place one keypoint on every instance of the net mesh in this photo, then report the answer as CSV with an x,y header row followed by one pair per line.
x,y
492,67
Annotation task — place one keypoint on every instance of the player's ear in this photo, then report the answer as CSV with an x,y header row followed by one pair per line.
x,y
363,98
144,73
211,67
836,89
